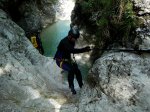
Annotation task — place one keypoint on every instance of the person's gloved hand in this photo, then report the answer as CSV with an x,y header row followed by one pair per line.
x,y
87,49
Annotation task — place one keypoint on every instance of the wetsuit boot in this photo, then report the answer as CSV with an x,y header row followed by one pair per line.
x,y
70,81
73,90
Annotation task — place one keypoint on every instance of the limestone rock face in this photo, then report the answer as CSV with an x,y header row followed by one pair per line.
x,y
144,15
119,81
31,15
64,9
144,5
120,84
29,82
36,14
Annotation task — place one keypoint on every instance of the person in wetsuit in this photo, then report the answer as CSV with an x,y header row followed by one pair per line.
x,y
36,41
64,60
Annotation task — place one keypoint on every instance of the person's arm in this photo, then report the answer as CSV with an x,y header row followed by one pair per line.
x,y
76,51
67,47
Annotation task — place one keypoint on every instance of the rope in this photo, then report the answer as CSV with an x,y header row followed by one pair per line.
x,y
127,50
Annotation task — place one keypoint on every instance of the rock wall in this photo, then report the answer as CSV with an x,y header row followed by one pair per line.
x,y
143,7
31,15
29,82
64,9
119,81
36,15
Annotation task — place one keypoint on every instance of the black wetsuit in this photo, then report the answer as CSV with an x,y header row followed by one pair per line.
x,y
64,61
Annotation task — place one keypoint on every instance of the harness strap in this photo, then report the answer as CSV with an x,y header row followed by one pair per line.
x,y
61,63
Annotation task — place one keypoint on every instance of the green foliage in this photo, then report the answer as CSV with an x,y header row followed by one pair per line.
x,y
54,1
129,15
115,20
99,4
85,7
112,22
95,5
102,22
129,22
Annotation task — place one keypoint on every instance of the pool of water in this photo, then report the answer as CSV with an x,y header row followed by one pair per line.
x,y
51,37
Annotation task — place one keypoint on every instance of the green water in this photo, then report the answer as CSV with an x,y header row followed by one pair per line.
x,y
51,37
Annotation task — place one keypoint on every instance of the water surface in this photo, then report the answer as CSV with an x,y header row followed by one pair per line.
x,y
52,35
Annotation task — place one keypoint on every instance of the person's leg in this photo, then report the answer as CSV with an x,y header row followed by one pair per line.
x,y
78,75
70,81
68,67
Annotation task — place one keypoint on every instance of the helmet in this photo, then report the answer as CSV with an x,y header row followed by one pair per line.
x,y
74,32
